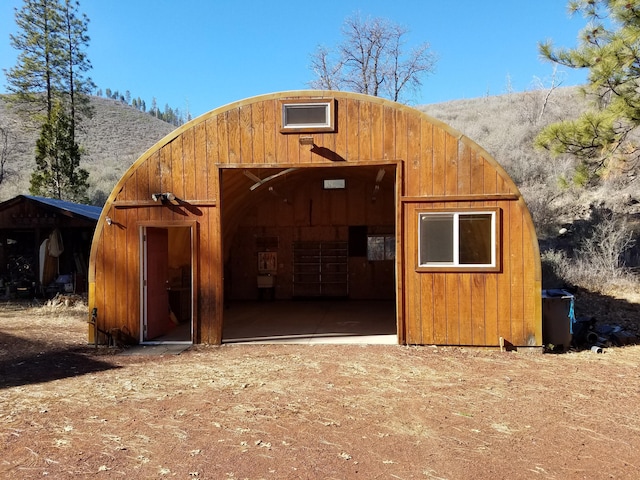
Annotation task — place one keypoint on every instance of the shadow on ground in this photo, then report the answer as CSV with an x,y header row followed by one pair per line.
x,y
25,362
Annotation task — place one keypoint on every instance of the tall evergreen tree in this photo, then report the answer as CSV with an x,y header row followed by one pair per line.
x,y
76,87
58,173
609,48
49,78
36,78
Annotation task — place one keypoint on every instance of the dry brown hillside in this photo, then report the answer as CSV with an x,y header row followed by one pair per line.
x,y
113,139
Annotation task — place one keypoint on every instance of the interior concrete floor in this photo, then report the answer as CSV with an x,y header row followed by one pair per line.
x,y
311,321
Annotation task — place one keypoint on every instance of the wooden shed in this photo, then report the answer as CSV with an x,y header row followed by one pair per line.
x,y
44,245
318,195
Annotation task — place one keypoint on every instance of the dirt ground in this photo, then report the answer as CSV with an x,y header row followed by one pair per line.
x,y
68,410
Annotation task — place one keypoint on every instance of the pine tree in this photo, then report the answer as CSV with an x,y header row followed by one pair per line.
x,y
76,88
36,78
609,48
49,78
58,173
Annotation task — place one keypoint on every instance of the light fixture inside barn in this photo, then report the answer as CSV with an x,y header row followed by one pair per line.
x,y
376,189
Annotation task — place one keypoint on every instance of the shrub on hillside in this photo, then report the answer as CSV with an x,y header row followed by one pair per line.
x,y
597,264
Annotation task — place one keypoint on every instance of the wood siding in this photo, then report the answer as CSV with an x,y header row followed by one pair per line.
x,y
432,166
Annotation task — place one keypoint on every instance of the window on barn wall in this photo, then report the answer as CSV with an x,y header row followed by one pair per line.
x,y
381,247
308,115
459,240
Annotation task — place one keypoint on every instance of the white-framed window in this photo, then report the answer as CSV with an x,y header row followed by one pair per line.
x,y
308,115
459,239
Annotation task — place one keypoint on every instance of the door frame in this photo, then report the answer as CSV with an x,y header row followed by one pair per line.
x,y
142,227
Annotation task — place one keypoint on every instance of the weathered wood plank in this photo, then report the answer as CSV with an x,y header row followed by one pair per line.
x,y
478,176
452,291
464,170
517,276
364,131
389,134
233,135
425,165
491,180
352,146
413,156
439,305
246,135
464,312
451,165
504,280
224,152
377,134
201,158
217,271
439,156
492,334
189,164
177,172
257,128
270,127
401,135
418,321
478,308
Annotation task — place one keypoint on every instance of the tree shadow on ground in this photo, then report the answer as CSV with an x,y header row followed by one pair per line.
x,y
25,362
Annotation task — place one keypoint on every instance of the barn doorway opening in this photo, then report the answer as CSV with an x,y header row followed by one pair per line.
x,y
310,254
167,285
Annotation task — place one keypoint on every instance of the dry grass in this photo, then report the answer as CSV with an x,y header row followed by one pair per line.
x,y
287,411
113,139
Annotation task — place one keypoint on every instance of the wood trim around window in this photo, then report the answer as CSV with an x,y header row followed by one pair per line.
x,y
331,124
456,268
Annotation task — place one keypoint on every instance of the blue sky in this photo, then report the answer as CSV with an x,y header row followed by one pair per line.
x,y
196,55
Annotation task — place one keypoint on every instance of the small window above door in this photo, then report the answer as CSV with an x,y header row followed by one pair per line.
x,y
308,115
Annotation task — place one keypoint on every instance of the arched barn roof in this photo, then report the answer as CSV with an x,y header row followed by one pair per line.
x,y
226,163
233,109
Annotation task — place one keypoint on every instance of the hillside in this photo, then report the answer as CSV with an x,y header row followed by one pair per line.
x,y
113,139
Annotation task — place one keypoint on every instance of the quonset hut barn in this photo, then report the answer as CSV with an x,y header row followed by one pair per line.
x,y
322,196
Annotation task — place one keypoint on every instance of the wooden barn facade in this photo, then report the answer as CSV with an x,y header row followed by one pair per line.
x,y
321,195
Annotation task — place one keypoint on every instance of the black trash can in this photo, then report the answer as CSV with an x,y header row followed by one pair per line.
x,y
558,318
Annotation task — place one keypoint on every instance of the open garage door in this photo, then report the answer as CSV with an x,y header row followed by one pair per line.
x,y
310,253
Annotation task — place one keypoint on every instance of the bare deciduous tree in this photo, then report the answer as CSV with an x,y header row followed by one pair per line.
x,y
8,147
372,60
